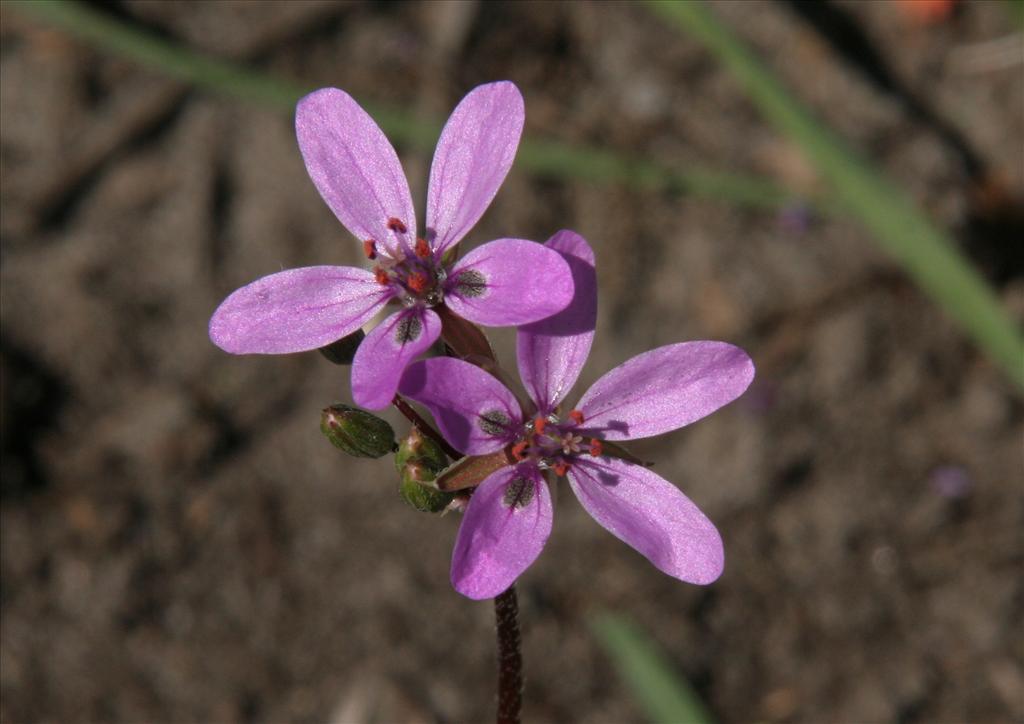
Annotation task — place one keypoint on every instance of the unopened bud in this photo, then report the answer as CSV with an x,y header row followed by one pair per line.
x,y
419,459
418,445
343,351
357,432
421,497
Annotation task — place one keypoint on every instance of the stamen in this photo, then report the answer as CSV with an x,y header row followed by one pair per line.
x,y
417,282
422,248
396,225
539,424
561,468
381,276
596,448
370,249
576,416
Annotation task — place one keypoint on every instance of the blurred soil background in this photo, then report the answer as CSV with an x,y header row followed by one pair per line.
x,y
181,544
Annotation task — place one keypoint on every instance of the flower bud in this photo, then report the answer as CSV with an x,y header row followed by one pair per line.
x,y
421,497
418,445
343,351
418,460
357,432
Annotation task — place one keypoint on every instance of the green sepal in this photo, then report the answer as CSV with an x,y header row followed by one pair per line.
x,y
343,351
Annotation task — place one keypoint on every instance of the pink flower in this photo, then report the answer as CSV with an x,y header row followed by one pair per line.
x,y
505,282
509,516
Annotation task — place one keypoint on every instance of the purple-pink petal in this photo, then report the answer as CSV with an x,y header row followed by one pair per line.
x,y
474,411
472,158
551,353
665,389
650,514
354,167
506,525
509,282
296,310
384,354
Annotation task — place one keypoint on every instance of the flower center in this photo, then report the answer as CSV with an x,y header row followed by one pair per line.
x,y
553,443
416,276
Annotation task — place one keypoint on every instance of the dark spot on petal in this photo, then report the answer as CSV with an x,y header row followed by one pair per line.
x,y
408,329
494,423
471,283
519,493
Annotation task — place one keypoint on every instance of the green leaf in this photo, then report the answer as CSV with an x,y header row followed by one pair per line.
x,y
665,696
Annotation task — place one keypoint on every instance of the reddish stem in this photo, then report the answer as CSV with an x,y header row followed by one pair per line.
x,y
510,657
425,427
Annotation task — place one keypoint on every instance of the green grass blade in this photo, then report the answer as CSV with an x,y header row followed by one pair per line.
x,y
926,253
544,158
1016,10
115,36
666,697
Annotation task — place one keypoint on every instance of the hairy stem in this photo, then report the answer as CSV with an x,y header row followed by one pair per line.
x,y
510,657
425,427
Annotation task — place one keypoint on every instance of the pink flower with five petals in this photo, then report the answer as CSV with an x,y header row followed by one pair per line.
x,y
506,282
509,516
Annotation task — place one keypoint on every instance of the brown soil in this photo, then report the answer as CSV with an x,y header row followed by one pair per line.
x,y
181,544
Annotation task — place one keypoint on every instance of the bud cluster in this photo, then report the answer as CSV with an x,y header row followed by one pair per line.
x,y
419,461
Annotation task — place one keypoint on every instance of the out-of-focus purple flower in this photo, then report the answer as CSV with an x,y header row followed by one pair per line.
x,y
951,481
509,515
795,218
505,282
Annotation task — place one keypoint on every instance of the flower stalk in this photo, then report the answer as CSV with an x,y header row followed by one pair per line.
x,y
510,657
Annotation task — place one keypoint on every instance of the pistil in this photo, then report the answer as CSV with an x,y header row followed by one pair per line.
x,y
417,282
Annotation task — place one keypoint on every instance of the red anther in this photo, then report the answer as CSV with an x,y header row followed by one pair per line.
x,y
539,424
422,248
370,249
519,449
396,225
381,276
576,416
417,282
596,448
561,468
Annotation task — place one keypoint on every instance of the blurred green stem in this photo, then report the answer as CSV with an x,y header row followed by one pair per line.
x,y
1016,10
546,158
664,695
927,254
